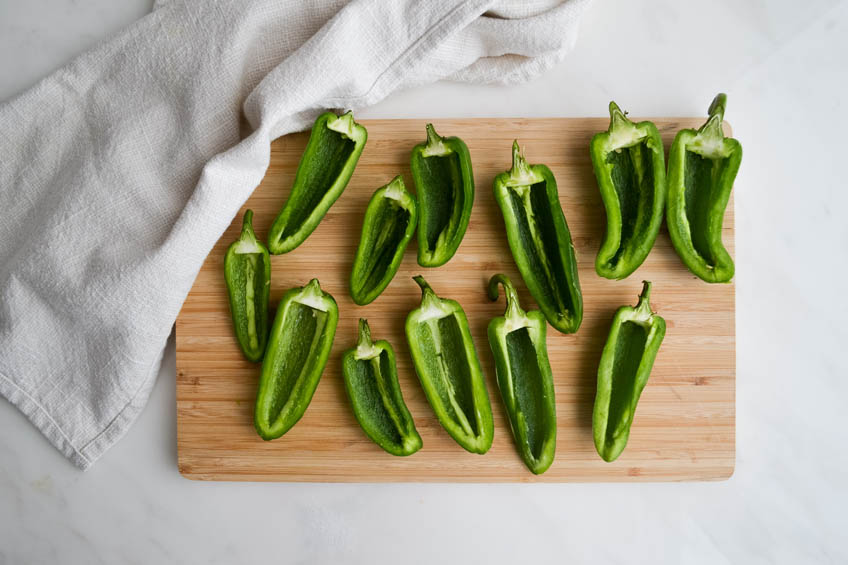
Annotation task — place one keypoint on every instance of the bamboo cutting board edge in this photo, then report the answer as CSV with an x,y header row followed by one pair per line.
x,y
215,436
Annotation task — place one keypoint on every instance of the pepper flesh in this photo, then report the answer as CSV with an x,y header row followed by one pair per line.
x,y
331,154
389,225
524,376
702,166
441,168
628,356
298,349
629,164
247,271
370,376
540,241
449,370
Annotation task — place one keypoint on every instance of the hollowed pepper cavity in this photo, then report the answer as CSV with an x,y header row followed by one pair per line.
x,y
449,370
524,376
702,166
441,169
370,376
628,356
247,271
298,349
331,154
389,225
540,241
629,164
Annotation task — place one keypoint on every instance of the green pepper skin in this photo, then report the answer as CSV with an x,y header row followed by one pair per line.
x,y
634,339
540,241
449,370
702,166
389,225
629,164
441,169
334,147
247,270
370,376
518,342
298,349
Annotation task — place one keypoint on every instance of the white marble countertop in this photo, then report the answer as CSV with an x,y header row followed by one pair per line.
x,y
785,71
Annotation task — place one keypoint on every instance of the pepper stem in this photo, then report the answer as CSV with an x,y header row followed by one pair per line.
x,y
427,293
712,127
313,287
645,297
364,335
247,233
618,118
520,168
433,138
343,124
396,188
247,242
718,105
513,307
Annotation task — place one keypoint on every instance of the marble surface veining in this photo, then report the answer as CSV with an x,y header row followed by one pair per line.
x,y
784,67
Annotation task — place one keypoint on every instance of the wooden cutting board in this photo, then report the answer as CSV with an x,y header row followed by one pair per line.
x,y
684,425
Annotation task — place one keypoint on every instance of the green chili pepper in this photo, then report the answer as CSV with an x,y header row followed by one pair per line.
x,y
702,166
447,365
441,168
247,270
389,224
634,339
540,241
524,375
334,147
370,377
298,349
629,163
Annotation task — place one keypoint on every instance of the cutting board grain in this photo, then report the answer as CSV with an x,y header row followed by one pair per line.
x,y
684,425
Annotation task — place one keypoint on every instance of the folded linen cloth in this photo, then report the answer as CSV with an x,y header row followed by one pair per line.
x,y
119,172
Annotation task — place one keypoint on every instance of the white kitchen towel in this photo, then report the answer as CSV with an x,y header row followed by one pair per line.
x,y
120,171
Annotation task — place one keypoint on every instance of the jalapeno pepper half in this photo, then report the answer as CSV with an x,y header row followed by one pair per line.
x,y
331,154
247,271
441,168
629,163
540,241
628,356
388,227
370,376
298,348
702,166
449,370
524,376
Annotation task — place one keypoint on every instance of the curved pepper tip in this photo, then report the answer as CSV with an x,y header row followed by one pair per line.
x,y
492,287
425,286
645,296
512,306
